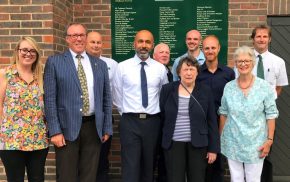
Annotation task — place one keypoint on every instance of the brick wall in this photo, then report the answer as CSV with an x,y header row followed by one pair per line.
x,y
21,18
62,15
46,20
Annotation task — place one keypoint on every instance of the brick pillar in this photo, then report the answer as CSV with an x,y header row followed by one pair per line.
x,y
45,21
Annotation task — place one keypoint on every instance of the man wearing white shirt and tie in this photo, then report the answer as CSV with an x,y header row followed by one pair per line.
x,y
271,68
137,85
268,65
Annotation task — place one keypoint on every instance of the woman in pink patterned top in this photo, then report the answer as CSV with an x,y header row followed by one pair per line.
x,y
23,131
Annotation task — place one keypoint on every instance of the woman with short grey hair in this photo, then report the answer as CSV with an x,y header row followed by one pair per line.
x,y
247,120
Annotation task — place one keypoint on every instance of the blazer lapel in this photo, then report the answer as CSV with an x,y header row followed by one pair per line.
x,y
194,92
94,65
72,67
175,93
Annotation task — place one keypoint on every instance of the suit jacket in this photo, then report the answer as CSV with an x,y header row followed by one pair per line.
x,y
203,125
63,100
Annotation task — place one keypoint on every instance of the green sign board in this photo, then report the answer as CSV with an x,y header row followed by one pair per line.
x,y
168,20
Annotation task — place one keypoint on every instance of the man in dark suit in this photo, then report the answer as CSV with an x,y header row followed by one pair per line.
x,y
78,108
162,55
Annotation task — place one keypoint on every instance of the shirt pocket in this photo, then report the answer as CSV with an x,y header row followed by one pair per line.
x,y
271,76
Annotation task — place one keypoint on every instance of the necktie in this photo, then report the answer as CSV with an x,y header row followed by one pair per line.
x,y
144,88
260,68
84,86
169,74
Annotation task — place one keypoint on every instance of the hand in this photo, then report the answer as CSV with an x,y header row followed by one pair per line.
x,y
105,138
211,157
265,148
58,140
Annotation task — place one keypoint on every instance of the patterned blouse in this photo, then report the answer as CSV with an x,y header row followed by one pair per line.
x,y
23,126
246,127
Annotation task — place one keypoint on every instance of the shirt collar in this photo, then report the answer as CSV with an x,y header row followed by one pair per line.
x,y
204,67
263,54
148,60
75,54
15,72
200,58
14,69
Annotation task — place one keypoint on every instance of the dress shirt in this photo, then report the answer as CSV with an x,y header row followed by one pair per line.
x,y
112,67
200,59
274,69
89,76
216,81
127,85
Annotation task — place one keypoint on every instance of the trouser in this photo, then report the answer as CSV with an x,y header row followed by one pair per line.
x,y
183,160
104,165
215,171
138,147
240,171
78,160
267,172
15,162
161,168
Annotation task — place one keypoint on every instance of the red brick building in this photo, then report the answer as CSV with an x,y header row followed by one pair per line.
x,y
45,20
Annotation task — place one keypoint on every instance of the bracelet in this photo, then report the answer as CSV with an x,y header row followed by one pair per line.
x,y
270,138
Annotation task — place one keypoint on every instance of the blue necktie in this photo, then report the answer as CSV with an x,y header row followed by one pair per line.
x,y
144,88
260,68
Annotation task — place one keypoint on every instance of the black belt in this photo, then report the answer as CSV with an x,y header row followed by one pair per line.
x,y
141,115
88,118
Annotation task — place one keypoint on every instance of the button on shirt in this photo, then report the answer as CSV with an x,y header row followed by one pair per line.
x,y
200,59
90,78
127,85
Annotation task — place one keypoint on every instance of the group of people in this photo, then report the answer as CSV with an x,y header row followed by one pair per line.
x,y
182,121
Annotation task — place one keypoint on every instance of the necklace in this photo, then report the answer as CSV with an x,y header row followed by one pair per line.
x,y
246,87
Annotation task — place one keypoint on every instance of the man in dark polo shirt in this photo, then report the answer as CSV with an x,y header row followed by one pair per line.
x,y
215,75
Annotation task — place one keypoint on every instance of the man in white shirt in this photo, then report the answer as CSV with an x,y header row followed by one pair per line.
x,y
192,41
94,47
137,85
274,72
274,66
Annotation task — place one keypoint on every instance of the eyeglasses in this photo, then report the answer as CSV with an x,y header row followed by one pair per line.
x,y
75,36
246,62
25,51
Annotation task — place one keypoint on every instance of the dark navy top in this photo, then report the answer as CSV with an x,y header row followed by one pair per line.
x,y
216,81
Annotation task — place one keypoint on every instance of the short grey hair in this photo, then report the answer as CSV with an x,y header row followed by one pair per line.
x,y
245,50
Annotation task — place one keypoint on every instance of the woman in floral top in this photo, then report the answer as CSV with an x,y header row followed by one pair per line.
x,y
23,131
247,120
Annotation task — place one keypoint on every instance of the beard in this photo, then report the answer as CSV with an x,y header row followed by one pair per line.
x,y
143,55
